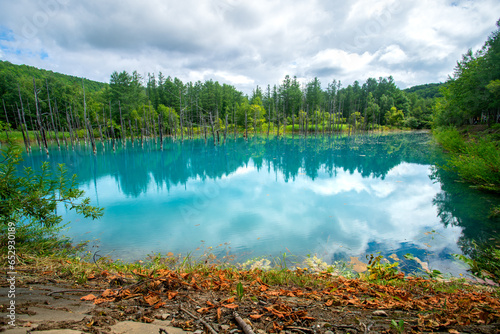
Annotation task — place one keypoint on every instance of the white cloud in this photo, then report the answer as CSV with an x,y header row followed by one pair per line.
x,y
393,55
234,79
347,62
248,43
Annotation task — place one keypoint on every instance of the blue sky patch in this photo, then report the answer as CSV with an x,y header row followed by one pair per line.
x,y
6,34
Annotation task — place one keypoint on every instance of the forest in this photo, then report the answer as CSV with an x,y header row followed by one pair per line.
x,y
142,106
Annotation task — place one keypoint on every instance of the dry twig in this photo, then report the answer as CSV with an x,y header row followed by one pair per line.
x,y
201,320
246,328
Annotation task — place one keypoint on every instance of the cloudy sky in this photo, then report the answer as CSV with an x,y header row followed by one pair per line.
x,y
247,43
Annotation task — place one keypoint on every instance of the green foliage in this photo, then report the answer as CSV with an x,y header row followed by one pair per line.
x,y
30,200
426,91
473,90
127,97
394,117
398,326
240,292
381,269
485,264
450,139
476,161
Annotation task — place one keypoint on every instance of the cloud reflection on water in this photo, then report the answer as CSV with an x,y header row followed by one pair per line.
x,y
331,196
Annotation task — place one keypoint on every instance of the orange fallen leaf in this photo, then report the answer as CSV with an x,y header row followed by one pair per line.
x,y
230,300
160,304
203,310
101,300
146,319
88,297
230,306
255,316
108,293
152,299
329,302
171,294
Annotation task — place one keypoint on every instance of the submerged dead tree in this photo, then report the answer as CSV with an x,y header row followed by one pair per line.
x,y
225,130
87,122
160,128
122,129
7,125
212,126
52,116
112,127
70,128
26,141
22,121
39,120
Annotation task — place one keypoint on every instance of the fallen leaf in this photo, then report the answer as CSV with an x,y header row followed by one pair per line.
x,y
358,266
255,316
394,257
152,299
380,313
146,319
88,297
101,300
203,310
171,294
108,293
230,306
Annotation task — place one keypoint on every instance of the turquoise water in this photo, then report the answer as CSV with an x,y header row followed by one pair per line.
x,y
335,197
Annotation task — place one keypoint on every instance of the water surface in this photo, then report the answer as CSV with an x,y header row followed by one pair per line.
x,y
335,197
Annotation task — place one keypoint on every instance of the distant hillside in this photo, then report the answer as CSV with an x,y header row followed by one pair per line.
x,y
65,91
12,71
427,91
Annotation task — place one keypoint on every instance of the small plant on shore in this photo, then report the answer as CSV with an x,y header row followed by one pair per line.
x,y
398,326
381,269
29,200
240,291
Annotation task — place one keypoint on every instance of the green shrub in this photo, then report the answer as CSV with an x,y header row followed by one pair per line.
x,y
28,203
476,161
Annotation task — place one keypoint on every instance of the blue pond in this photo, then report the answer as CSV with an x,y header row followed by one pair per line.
x,y
336,197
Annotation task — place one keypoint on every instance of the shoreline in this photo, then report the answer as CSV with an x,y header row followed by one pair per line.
x,y
63,293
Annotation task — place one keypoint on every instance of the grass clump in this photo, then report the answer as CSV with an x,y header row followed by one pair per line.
x,y
475,158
